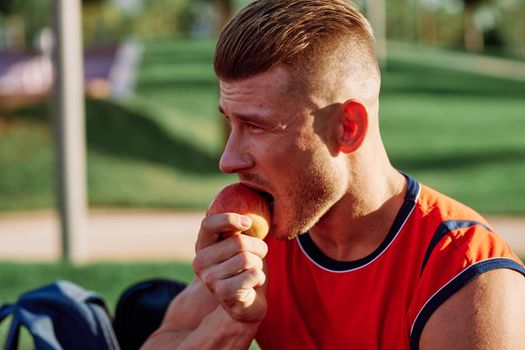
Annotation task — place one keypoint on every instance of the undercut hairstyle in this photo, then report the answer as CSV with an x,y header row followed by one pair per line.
x,y
306,36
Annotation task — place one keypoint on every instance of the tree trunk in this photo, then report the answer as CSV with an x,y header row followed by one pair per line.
x,y
15,33
472,36
224,9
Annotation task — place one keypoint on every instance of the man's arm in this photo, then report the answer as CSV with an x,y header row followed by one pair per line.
x,y
194,320
487,313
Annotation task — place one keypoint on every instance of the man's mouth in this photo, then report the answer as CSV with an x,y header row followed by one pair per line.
x,y
266,195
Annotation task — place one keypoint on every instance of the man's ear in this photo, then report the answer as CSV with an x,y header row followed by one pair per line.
x,y
353,126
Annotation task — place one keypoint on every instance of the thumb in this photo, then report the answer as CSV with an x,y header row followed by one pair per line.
x,y
217,227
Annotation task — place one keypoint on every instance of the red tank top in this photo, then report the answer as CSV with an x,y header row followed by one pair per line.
x,y
435,246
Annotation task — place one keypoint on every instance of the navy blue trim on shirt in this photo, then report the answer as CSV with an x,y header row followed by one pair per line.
x,y
444,228
462,279
319,258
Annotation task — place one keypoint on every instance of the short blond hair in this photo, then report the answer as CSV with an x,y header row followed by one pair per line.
x,y
296,33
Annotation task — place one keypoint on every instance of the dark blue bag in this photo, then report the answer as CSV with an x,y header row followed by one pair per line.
x,y
141,308
60,316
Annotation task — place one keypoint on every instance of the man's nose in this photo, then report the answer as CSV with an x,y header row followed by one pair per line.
x,y
235,157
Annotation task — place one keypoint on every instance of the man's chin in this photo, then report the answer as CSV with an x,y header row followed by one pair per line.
x,y
281,234
288,233
291,226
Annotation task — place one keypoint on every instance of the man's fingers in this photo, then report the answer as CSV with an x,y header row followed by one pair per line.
x,y
213,225
237,264
226,249
239,289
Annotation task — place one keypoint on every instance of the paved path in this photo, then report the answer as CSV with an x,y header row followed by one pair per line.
x,y
112,235
124,235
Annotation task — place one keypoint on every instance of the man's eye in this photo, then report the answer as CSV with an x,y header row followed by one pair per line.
x,y
254,128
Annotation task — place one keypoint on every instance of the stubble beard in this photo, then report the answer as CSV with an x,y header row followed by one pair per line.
x,y
310,197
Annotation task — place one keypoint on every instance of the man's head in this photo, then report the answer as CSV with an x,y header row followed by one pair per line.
x,y
319,42
298,80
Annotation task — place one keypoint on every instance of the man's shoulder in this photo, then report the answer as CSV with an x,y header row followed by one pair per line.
x,y
458,246
447,226
438,220
440,207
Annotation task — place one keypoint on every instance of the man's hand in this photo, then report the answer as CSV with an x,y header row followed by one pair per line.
x,y
232,269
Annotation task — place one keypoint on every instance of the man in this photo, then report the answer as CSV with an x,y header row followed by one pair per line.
x,y
359,256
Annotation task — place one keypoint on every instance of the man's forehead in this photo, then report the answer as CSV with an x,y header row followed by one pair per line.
x,y
247,106
278,79
268,95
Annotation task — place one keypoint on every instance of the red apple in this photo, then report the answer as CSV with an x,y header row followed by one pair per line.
x,y
240,199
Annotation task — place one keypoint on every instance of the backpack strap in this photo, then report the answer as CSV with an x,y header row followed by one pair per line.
x,y
11,342
5,311
104,322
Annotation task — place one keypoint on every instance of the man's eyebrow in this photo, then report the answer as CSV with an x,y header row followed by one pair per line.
x,y
247,117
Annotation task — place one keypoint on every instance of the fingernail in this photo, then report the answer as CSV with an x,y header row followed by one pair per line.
x,y
246,221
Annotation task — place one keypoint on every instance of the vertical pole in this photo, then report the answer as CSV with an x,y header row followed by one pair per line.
x,y
417,22
376,13
68,110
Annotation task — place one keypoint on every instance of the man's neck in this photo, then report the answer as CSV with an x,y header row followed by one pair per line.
x,y
357,224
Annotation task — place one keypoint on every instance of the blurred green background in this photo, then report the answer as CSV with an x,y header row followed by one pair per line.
x,y
458,131
452,126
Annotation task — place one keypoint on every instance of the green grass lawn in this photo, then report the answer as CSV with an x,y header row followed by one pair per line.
x,y
108,280
459,133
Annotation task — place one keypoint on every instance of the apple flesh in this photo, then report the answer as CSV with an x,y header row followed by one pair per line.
x,y
240,199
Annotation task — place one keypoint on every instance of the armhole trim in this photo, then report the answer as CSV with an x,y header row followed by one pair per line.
x,y
443,229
